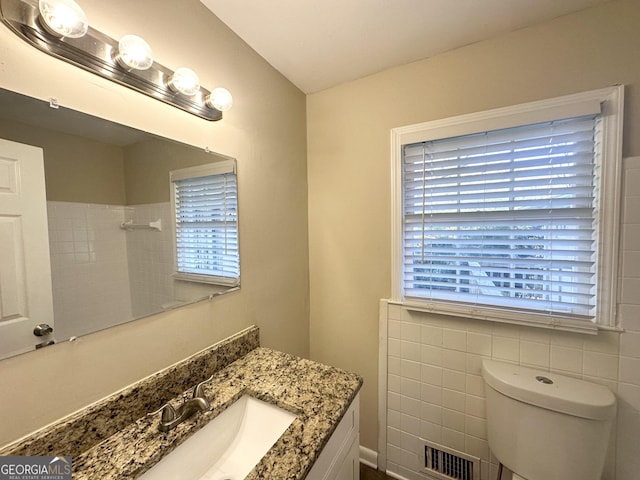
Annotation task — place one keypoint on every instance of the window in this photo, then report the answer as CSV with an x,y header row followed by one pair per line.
x,y
205,200
511,215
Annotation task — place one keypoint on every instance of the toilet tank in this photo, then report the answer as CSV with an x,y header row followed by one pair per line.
x,y
545,426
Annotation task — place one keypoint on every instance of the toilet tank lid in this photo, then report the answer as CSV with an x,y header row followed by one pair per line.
x,y
565,395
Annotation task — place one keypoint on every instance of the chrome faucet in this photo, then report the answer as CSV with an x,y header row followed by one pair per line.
x,y
171,417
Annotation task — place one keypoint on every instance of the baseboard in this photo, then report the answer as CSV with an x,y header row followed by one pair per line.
x,y
399,477
369,457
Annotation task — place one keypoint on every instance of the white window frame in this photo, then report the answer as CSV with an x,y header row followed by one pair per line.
x,y
218,168
609,101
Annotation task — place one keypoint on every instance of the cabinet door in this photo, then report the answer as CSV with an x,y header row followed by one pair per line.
x,y
340,457
350,468
25,270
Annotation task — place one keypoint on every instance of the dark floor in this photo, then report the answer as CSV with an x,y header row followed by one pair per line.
x,y
368,473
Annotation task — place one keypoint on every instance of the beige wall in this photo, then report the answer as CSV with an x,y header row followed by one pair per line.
x,y
265,131
147,165
81,170
76,169
349,157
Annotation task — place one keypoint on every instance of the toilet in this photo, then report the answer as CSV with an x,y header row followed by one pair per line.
x,y
544,426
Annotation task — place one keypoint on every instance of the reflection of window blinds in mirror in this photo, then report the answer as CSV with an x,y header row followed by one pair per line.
x,y
206,215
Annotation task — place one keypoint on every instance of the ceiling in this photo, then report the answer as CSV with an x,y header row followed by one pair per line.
x,y
318,44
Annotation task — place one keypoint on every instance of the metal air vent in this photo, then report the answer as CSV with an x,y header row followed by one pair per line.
x,y
446,463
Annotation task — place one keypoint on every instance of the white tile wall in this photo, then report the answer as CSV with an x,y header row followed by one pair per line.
x,y
150,255
628,440
436,392
446,404
88,266
103,275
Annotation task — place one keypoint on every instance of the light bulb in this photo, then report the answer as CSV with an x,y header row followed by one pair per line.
x,y
220,99
63,18
185,81
134,53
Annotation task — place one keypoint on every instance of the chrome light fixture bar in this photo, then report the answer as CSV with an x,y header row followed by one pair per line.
x,y
66,34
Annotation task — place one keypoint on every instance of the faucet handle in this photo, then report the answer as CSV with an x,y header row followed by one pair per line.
x,y
198,390
168,413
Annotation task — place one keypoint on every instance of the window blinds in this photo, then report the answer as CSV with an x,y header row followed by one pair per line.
x,y
505,218
206,210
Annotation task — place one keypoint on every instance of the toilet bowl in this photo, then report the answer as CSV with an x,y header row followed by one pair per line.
x,y
545,426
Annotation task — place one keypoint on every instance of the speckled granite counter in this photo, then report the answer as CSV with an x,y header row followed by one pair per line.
x,y
318,394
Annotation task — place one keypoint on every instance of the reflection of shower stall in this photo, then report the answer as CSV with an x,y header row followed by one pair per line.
x,y
150,258
104,275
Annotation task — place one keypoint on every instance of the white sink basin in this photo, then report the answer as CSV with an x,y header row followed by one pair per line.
x,y
229,446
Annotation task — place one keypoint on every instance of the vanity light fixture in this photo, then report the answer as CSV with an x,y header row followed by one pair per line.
x,y
63,18
220,98
184,81
134,53
60,28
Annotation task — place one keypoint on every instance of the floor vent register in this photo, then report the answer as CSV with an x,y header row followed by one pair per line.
x,y
446,463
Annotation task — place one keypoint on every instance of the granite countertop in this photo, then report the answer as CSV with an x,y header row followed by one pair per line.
x,y
318,394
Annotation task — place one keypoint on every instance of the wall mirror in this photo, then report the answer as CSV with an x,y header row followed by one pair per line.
x,y
109,212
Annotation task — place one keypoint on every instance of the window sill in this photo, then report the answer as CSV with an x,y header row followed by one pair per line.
x,y
536,321
208,279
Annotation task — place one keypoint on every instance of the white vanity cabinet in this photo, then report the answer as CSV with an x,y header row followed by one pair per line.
x,y
340,458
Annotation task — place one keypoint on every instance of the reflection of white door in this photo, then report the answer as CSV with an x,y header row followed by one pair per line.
x,y
25,271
